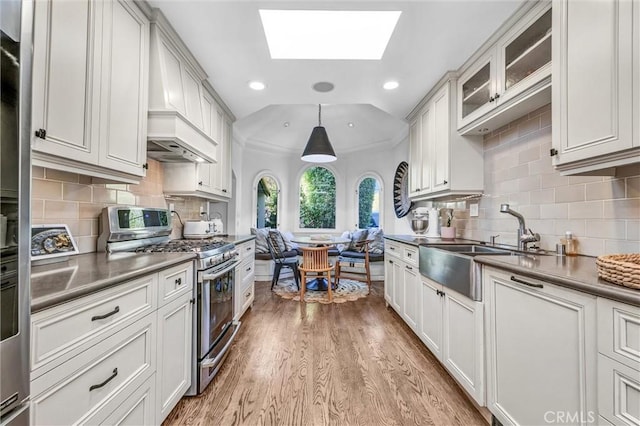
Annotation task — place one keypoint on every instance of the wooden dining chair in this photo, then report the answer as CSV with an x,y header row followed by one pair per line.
x,y
357,261
316,260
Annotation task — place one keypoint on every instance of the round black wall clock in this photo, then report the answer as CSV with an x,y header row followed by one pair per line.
x,y
401,202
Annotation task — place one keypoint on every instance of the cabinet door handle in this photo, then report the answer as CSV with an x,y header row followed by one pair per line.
x,y
248,294
41,133
409,267
110,378
526,283
392,248
224,190
553,152
408,254
248,269
107,315
248,248
491,99
193,301
445,182
496,96
178,281
200,183
391,261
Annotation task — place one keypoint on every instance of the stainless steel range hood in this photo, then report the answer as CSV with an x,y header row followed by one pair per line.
x,y
171,152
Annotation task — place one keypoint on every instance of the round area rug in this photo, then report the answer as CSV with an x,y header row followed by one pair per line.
x,y
347,290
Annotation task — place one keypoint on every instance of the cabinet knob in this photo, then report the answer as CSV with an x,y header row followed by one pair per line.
x,y
491,99
200,183
224,190
496,96
445,182
41,133
179,281
145,166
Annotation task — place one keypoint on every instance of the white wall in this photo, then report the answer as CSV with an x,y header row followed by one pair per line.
x,y
286,168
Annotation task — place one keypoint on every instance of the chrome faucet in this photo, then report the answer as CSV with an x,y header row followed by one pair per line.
x,y
525,236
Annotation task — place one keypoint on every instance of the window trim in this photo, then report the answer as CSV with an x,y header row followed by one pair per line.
x,y
336,177
356,198
254,209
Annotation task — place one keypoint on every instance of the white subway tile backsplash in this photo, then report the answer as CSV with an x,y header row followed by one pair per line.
x,y
633,230
565,194
607,190
633,187
586,210
543,196
607,229
621,246
577,226
529,183
554,211
622,209
554,180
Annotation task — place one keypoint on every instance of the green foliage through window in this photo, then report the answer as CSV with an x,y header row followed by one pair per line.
x,y
267,215
318,199
368,203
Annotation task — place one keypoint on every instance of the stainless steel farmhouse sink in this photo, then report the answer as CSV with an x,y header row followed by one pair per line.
x,y
452,266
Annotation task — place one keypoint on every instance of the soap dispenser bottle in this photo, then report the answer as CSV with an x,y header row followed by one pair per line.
x,y
570,244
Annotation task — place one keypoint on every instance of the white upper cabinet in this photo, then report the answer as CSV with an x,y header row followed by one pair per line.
x,y
442,163
510,75
595,85
90,87
206,180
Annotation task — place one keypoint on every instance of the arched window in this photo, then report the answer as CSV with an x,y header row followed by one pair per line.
x,y
369,203
267,192
318,199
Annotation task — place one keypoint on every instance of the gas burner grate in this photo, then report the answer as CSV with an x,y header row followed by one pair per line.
x,y
178,246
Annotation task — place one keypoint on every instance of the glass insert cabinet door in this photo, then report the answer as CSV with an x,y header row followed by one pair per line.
x,y
476,88
528,52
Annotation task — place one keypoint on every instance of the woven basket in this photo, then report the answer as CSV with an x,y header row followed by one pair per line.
x,y
621,269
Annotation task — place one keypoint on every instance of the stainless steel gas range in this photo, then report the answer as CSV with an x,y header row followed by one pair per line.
x,y
147,230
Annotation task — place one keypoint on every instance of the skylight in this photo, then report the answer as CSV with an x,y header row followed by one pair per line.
x,y
328,34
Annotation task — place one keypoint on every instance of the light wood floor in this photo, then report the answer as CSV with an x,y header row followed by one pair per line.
x,y
312,364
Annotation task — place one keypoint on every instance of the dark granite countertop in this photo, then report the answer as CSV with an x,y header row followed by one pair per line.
x,y
575,272
239,239
55,283
421,241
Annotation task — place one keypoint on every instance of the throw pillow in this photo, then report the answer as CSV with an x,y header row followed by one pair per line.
x,y
276,236
343,247
358,236
376,246
261,239
287,236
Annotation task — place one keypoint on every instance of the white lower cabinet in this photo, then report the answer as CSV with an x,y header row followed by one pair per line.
x,y
618,362
173,377
541,351
244,290
411,279
451,326
119,358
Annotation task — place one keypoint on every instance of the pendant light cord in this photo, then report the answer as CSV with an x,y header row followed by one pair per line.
x,y
319,114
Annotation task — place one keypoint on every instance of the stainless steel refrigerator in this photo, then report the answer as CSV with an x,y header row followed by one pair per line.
x,y
16,22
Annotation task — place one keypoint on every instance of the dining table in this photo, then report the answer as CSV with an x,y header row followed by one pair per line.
x,y
319,283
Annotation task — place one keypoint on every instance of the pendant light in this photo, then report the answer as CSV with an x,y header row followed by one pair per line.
x,y
318,149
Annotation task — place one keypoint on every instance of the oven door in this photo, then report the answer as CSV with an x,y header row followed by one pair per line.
x,y
215,307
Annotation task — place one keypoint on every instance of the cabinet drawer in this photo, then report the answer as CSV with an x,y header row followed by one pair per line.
x,y
618,392
247,268
73,327
247,294
138,409
410,255
619,332
247,250
100,377
393,249
174,282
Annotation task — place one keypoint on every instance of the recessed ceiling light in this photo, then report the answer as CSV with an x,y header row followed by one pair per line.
x,y
390,85
286,124
257,85
328,34
350,124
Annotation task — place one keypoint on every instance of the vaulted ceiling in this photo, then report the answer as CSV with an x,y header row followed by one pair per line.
x,y
431,37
